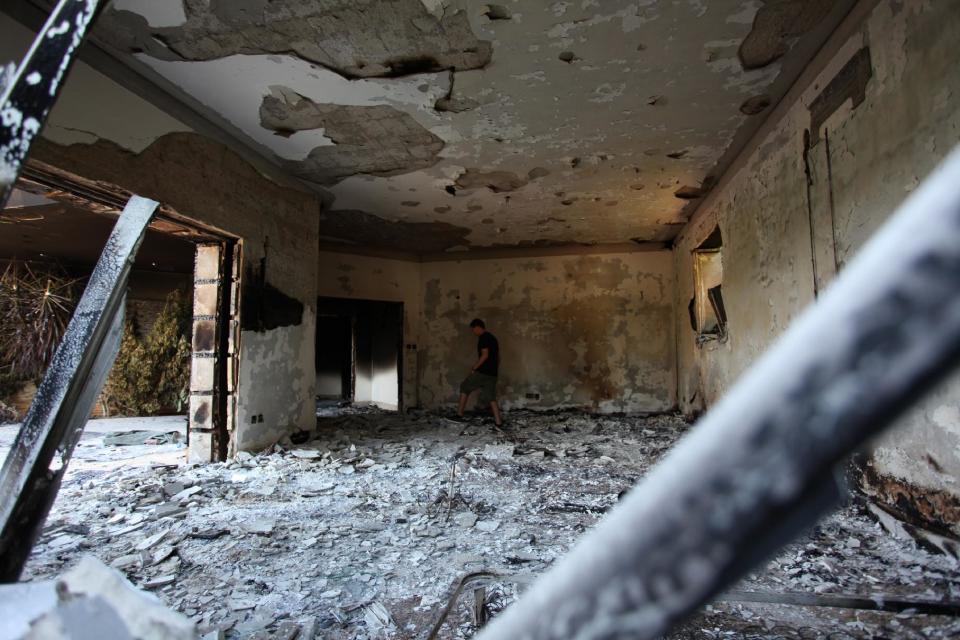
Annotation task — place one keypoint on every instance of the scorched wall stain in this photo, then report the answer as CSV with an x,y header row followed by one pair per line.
x,y
593,332
900,119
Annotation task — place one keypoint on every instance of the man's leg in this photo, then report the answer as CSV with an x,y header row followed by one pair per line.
x,y
497,419
463,404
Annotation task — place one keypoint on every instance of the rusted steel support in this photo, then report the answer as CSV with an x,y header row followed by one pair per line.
x,y
34,468
759,467
27,100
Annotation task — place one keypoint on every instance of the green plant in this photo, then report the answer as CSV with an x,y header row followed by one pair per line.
x,y
151,375
36,303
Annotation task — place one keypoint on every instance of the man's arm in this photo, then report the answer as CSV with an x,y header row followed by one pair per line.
x,y
484,354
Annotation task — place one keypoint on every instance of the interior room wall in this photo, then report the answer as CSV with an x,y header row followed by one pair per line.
x,y
883,132
586,331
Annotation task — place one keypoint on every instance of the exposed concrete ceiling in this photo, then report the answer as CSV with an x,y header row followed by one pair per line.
x,y
449,124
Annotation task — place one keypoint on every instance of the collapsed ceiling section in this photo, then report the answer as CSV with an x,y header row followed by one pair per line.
x,y
448,125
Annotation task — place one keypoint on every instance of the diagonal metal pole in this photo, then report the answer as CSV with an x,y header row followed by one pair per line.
x,y
35,466
28,98
758,468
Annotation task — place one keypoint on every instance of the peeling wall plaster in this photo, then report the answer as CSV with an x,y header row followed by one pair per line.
x,y
879,151
592,331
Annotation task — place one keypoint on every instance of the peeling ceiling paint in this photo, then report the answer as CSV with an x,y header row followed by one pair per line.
x,y
531,121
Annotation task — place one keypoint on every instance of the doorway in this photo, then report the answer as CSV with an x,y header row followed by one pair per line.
x,y
360,352
178,355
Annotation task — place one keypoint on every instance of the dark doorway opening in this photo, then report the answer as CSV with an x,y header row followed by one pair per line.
x,y
360,351
335,360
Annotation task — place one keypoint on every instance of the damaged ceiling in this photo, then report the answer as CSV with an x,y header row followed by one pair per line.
x,y
450,125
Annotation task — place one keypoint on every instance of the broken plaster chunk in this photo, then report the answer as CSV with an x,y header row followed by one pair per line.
x,y
466,519
146,617
152,541
306,454
488,526
186,493
260,526
346,470
498,451
160,581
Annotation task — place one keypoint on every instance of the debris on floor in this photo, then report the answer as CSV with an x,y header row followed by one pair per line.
x,y
90,600
384,521
134,438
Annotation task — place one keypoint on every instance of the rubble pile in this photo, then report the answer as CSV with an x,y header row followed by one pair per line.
x,y
369,529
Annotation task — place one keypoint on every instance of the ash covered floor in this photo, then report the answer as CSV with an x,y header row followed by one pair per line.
x,y
357,534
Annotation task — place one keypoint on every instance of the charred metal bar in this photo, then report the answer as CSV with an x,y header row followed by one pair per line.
x,y
35,466
28,98
888,604
758,468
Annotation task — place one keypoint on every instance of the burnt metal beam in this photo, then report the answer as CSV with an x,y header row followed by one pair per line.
x,y
28,98
758,469
37,461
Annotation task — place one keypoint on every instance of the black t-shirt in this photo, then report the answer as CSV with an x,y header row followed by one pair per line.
x,y
491,365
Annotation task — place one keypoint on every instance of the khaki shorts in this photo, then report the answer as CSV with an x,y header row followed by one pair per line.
x,y
486,384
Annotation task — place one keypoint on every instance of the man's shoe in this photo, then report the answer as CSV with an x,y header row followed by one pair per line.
x,y
456,419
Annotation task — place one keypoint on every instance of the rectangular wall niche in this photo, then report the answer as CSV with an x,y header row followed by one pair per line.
x,y
709,315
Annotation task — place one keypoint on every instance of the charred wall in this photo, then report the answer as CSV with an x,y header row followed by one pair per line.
x,y
837,159
101,131
578,331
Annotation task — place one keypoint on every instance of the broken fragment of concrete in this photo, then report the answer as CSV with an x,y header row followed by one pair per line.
x,y
93,600
776,24
375,38
374,140
497,181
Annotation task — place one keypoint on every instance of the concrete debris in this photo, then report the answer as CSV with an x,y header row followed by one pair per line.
x,y
488,526
377,617
498,451
260,526
324,550
306,454
90,601
134,438
466,519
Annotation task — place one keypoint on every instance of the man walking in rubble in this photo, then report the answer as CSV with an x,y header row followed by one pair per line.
x,y
483,375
